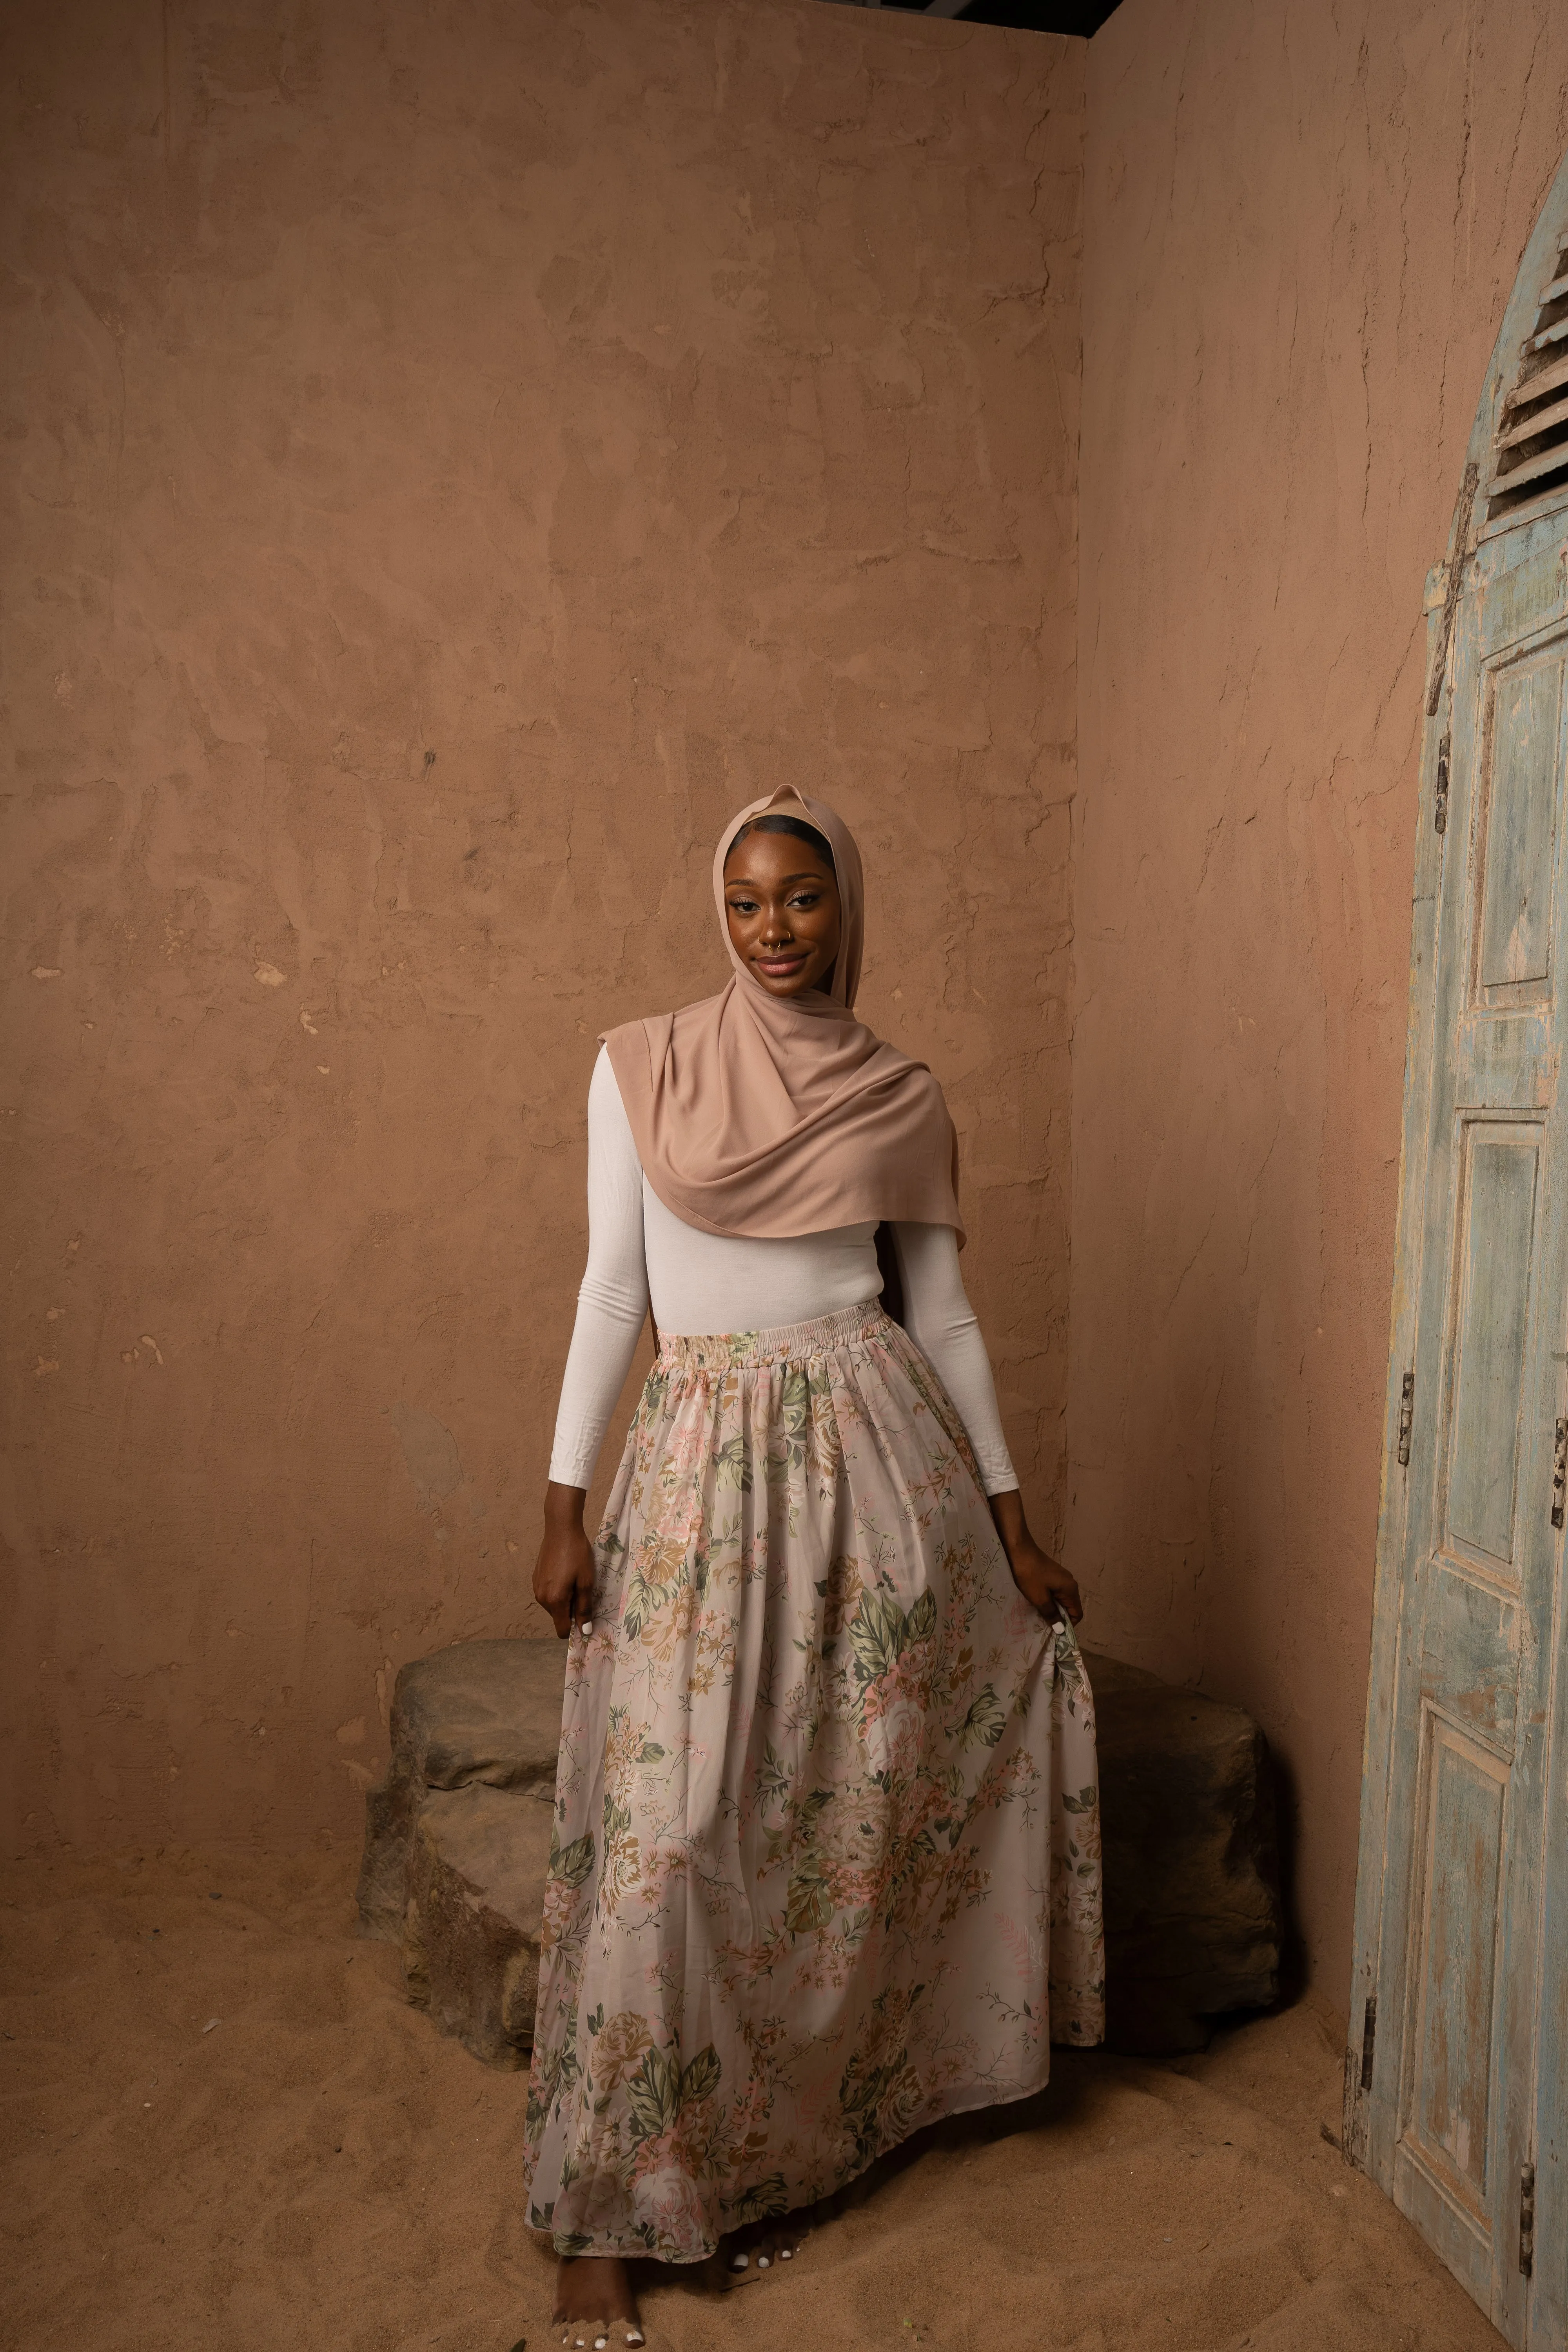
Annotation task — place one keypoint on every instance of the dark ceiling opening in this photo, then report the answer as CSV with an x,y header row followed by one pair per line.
x,y
1078,17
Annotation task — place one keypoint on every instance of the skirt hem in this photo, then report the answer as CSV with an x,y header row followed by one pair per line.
x,y
642,2254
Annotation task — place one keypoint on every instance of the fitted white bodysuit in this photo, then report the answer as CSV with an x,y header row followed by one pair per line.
x,y
638,1250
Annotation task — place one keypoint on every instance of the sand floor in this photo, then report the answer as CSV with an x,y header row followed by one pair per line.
x,y
317,2168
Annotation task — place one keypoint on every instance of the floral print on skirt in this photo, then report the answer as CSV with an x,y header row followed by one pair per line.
x,y
826,1853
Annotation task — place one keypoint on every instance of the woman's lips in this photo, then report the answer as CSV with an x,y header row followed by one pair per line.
x,y
779,967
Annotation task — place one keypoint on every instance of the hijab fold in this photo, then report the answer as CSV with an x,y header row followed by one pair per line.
x,y
774,1116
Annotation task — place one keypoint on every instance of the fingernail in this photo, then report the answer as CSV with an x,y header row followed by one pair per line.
x,y
587,1627
600,2342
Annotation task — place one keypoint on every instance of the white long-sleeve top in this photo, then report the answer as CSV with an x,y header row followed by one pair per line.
x,y
638,1250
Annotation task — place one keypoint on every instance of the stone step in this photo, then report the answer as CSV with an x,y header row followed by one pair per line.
x,y
457,1844
477,1865
487,1712
1193,1911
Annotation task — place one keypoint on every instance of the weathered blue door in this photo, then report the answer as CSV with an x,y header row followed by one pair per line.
x,y
1455,2091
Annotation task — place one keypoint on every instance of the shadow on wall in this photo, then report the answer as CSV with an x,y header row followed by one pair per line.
x,y
1294,1959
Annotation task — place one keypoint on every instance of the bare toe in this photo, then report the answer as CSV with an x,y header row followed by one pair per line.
x,y
753,2253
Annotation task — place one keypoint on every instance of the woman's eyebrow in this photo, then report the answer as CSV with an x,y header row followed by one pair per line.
x,y
807,874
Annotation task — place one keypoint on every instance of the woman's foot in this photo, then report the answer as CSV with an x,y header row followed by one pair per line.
x,y
757,2251
596,2305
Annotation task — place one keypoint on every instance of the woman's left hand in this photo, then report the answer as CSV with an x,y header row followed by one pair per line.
x,y
1040,1579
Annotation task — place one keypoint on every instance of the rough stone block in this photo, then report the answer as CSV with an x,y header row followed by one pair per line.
x,y
1193,1915
485,1712
457,1836
457,1842
476,1865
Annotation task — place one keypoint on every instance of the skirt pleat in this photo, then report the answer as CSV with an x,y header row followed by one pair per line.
x,y
826,1862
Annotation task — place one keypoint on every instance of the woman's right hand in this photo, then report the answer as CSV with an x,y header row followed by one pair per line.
x,y
564,1574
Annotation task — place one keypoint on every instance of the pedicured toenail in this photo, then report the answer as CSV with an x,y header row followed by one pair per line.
x,y
786,2253
762,2260
739,2261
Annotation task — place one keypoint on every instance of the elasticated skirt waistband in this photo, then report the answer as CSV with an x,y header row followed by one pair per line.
x,y
789,1343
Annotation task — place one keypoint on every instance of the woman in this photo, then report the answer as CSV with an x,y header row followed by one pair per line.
x,y
826,1862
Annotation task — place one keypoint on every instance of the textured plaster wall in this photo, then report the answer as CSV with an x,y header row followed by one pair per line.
x,y
1301,225
454,455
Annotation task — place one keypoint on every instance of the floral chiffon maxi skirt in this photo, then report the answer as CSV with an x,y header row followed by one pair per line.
x,y
826,1863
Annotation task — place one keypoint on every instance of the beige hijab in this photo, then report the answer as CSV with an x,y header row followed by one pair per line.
x,y
774,1116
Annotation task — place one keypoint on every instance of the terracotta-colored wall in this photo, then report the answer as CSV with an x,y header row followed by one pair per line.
x,y
1301,227
455,456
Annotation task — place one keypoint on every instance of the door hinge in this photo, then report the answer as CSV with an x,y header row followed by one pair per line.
x,y
1368,2039
1559,1473
1406,1415
1440,798
1527,2218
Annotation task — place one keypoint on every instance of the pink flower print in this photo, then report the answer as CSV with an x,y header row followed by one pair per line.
x,y
670,2202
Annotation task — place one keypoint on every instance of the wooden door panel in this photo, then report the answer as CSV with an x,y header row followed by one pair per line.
x,y
1451,2117
1457,2081
1470,1655
1503,1061
1518,821
1447,2098
1500,1164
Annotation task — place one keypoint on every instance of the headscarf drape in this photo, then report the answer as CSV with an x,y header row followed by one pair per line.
x,y
772,1117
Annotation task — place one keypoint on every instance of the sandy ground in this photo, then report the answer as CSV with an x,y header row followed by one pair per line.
x,y
317,2168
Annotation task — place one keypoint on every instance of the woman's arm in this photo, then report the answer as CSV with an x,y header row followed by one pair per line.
x,y
942,1325
611,1304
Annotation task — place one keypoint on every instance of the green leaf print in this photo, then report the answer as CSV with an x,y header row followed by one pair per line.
x,y
921,1623
773,1776
653,2094
641,1604
699,2076
986,1721
571,1864
808,1905
661,2087
1084,1803
787,1445
763,2196
879,1632
877,1636
732,1464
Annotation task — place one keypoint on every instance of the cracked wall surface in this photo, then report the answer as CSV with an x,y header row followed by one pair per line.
x,y
454,457
1301,227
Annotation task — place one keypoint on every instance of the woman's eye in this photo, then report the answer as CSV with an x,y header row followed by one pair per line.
x,y
744,906
806,899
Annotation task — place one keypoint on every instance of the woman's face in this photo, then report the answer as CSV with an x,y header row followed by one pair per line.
x,y
781,899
